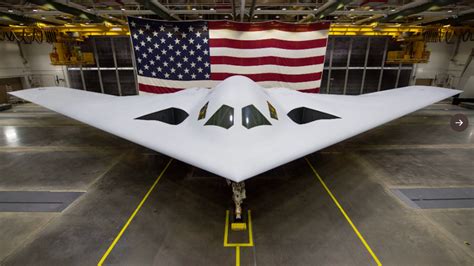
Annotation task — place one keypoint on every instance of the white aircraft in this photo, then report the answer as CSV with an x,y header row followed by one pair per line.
x,y
238,129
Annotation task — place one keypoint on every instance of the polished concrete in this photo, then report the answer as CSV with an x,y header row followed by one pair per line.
x,y
294,220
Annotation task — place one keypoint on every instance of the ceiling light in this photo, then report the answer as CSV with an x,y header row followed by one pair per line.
x,y
43,17
139,16
88,9
277,16
21,24
226,16
123,9
315,9
336,17
420,17
449,11
200,16
255,16
111,17
258,8
371,9
352,9
9,10
35,10
211,8
193,8
284,8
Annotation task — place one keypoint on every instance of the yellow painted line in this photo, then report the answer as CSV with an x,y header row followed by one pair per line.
x,y
130,219
345,214
237,256
237,245
226,232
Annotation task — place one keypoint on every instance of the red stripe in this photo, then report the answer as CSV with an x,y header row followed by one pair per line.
x,y
156,89
266,43
268,25
271,77
314,90
267,60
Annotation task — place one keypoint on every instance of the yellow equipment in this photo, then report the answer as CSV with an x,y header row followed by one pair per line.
x,y
413,52
69,54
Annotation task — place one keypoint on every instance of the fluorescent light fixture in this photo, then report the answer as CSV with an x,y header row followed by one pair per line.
x,y
371,9
258,8
123,9
35,10
10,10
193,8
449,11
393,10
315,9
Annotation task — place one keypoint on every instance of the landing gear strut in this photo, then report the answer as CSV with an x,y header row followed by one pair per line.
x,y
238,195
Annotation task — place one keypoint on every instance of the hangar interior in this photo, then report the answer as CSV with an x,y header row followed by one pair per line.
x,y
399,194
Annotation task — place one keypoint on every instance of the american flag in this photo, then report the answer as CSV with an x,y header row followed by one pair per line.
x,y
171,56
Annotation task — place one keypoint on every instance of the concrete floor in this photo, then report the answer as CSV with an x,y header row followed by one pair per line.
x,y
294,220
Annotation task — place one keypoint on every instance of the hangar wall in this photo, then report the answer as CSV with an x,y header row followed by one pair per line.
x,y
31,63
446,64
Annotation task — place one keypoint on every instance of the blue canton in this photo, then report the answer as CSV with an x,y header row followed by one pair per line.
x,y
171,50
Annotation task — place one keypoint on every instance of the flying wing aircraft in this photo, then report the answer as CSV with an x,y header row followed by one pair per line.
x,y
237,129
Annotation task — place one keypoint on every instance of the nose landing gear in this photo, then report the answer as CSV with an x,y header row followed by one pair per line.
x,y
238,196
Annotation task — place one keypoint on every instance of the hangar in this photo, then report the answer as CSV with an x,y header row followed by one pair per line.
x,y
346,170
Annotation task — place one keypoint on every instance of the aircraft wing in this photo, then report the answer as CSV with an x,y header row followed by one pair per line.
x,y
239,152
355,113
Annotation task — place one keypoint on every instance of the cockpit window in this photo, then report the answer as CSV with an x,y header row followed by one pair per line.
x,y
202,112
273,112
223,117
251,117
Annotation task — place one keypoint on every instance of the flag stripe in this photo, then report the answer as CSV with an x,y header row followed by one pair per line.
x,y
314,90
246,70
183,84
156,89
271,77
268,34
261,26
264,52
274,43
267,60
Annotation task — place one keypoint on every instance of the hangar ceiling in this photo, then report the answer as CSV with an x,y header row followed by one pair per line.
x,y
358,12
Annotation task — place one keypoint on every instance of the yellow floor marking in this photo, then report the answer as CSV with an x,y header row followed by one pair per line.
x,y
345,214
237,256
117,238
237,245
